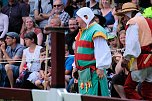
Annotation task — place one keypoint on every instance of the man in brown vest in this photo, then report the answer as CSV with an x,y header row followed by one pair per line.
x,y
137,53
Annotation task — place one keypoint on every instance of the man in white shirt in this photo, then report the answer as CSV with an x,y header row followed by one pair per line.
x,y
137,53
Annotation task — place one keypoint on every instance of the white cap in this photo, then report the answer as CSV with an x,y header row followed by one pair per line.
x,y
85,11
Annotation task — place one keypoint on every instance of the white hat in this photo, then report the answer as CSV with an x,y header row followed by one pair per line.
x,y
85,11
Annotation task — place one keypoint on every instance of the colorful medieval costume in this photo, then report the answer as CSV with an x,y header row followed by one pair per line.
x,y
92,55
138,51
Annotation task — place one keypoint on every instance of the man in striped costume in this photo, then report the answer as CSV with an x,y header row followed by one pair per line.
x,y
92,55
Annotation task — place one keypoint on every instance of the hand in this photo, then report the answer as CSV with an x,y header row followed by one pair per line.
x,y
46,31
117,57
124,63
100,73
53,11
46,78
3,46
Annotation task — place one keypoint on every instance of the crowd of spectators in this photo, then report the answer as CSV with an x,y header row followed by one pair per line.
x,y
23,40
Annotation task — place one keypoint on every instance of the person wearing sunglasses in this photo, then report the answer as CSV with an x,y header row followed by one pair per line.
x,y
58,9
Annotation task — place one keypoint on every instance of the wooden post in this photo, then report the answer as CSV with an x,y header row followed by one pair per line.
x,y
57,56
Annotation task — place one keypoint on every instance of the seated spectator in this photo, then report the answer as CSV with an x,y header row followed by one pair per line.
x,y
54,22
68,65
118,80
70,36
31,57
113,42
58,9
30,26
3,23
73,83
12,52
44,80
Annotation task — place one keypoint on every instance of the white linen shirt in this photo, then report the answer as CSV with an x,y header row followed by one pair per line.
x,y
132,47
102,53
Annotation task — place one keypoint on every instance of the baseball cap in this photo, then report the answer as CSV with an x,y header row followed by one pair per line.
x,y
111,36
13,35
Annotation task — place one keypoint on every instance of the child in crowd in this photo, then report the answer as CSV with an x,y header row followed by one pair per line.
x,y
44,80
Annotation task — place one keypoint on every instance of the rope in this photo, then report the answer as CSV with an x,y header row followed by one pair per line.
x,y
20,60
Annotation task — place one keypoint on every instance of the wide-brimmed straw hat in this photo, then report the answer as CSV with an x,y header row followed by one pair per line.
x,y
127,7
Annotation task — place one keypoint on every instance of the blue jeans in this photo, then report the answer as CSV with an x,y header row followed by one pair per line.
x,y
4,82
70,84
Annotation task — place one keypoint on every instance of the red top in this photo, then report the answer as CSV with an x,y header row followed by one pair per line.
x,y
36,31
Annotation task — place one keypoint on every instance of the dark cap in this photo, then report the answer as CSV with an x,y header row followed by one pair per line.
x,y
13,35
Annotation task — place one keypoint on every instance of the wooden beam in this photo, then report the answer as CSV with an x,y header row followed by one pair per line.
x,y
15,94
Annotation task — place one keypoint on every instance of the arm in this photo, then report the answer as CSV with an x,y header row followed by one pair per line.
x,y
118,67
46,16
67,72
37,16
36,11
17,55
1,53
68,65
114,26
132,48
23,25
40,16
1,56
6,22
102,55
40,38
21,41
42,73
22,63
9,60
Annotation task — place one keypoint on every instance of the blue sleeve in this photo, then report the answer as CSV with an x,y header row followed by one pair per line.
x,y
68,63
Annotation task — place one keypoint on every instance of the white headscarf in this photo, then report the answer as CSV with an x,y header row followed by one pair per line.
x,y
128,14
85,11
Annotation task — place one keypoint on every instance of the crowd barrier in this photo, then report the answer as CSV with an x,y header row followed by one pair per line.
x,y
54,94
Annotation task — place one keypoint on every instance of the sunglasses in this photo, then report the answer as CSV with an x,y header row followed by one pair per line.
x,y
57,5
